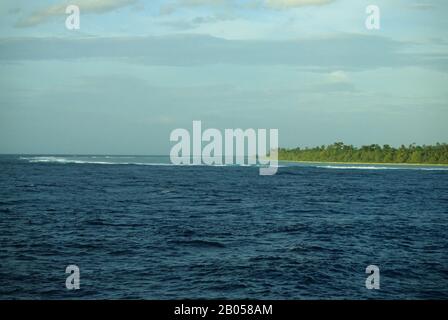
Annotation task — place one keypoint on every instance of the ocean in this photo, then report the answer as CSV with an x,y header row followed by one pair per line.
x,y
141,228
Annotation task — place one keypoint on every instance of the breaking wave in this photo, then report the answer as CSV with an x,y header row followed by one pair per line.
x,y
117,160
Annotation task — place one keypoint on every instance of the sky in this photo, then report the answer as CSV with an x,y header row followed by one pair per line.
x,y
136,70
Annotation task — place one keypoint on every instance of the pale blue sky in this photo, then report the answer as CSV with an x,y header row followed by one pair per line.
x,y
138,69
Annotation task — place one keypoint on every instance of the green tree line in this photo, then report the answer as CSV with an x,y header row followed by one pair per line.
x,y
340,152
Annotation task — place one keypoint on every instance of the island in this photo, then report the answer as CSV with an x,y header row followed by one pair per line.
x,y
341,153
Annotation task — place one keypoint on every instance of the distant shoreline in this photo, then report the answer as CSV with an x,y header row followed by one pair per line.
x,y
339,152
372,163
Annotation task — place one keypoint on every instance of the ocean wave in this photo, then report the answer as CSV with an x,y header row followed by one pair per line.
x,y
63,160
92,160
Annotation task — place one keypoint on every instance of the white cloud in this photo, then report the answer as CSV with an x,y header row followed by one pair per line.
x,y
338,77
286,4
86,6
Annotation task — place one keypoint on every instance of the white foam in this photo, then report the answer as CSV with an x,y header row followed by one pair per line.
x,y
63,160
90,160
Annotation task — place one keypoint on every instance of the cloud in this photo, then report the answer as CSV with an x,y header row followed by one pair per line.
x,y
346,52
86,7
338,77
336,81
193,3
196,22
287,4
252,4
212,19
173,6
421,6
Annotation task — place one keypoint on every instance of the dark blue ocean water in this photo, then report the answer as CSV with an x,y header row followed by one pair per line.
x,y
138,227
